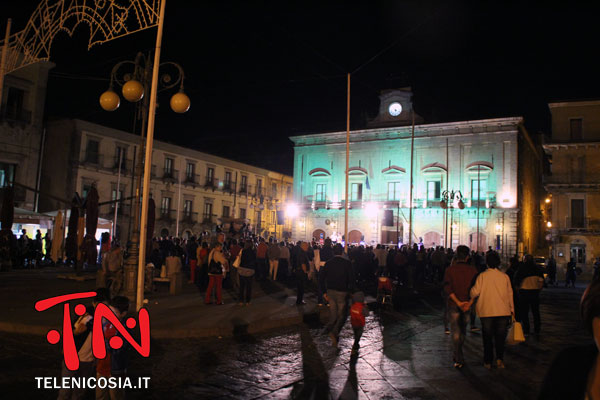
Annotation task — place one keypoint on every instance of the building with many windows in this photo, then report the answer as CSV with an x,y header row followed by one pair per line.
x,y
22,129
573,183
492,163
193,191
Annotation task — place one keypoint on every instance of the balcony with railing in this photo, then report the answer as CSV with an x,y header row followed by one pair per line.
x,y
92,159
210,182
580,225
170,175
209,219
188,217
126,165
14,115
228,187
166,215
191,180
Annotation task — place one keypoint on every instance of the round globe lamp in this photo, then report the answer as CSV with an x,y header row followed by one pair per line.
x,y
109,100
133,91
180,102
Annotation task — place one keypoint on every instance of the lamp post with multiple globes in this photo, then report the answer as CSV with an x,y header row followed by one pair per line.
x,y
452,199
134,77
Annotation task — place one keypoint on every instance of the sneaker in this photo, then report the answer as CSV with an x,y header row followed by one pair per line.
x,y
487,366
458,365
475,329
500,364
446,331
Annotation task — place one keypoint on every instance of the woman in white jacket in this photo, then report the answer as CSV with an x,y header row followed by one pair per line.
x,y
495,308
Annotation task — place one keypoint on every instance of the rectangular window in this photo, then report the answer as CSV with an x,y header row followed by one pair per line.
x,y
577,213
113,196
187,208
394,191
7,174
242,213
207,214
226,211
258,219
190,171
210,175
274,190
288,193
273,218
244,184
168,166
92,151
15,100
227,180
165,205
321,192
434,190
85,189
120,156
478,189
259,187
356,194
576,128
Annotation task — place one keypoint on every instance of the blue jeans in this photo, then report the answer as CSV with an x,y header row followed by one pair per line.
x,y
493,331
458,328
337,311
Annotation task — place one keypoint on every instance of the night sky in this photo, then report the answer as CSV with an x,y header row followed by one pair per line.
x,y
258,72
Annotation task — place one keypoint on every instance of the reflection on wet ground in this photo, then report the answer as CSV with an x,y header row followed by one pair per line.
x,y
403,356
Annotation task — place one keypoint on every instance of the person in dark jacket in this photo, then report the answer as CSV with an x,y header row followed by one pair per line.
x,y
301,267
528,282
570,376
337,281
571,275
246,272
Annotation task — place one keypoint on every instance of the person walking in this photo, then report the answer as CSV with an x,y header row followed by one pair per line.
x,y
529,279
273,253
216,270
261,260
192,255
246,272
284,261
458,280
495,308
552,270
358,312
337,281
571,275
301,267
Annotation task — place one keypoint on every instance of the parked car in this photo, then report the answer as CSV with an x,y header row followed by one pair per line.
x,y
540,261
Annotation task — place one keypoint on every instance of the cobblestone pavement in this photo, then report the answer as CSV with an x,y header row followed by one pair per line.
x,y
403,355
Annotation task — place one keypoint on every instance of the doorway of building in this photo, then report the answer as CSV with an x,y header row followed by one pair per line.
x,y
578,253
432,239
318,235
355,237
473,243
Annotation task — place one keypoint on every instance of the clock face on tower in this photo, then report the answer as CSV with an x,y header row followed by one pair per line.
x,y
395,109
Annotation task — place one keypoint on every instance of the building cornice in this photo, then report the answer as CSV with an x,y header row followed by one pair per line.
x,y
582,103
549,147
477,127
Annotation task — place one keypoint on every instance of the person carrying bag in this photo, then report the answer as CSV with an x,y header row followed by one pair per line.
x,y
246,268
216,272
515,333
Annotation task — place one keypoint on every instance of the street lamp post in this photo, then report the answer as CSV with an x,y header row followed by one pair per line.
x,y
135,85
452,199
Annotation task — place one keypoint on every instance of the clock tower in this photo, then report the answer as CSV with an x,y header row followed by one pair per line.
x,y
395,109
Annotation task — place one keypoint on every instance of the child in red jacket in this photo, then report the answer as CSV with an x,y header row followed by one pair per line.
x,y
358,312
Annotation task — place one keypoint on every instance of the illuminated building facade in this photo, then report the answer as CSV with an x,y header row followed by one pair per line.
x,y
493,163
573,184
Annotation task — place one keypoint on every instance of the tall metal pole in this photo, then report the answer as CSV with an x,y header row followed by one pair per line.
x,y
148,161
410,201
3,59
178,208
478,201
446,209
117,197
346,202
